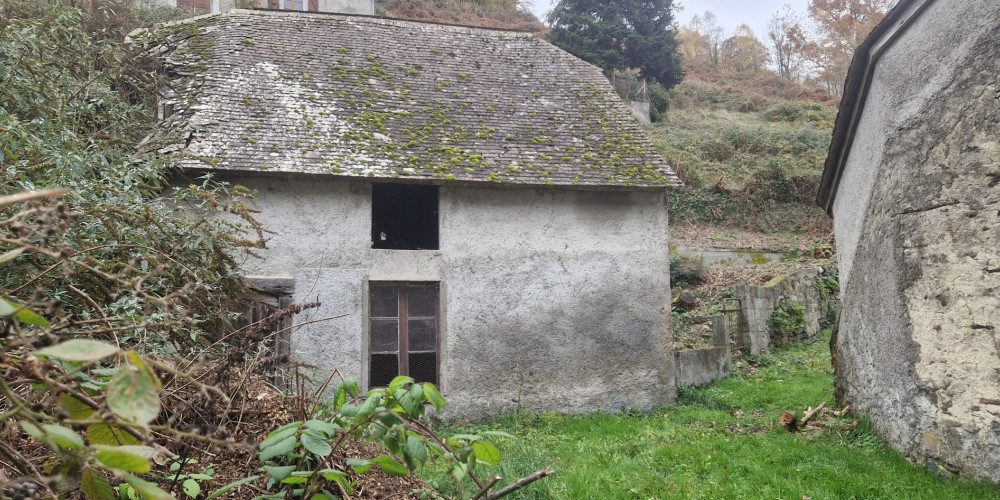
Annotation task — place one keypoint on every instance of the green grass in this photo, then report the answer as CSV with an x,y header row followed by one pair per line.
x,y
687,451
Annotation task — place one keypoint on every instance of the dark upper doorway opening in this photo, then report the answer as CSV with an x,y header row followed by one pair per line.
x,y
404,217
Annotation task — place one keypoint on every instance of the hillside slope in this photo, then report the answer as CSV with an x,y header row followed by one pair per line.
x,y
750,148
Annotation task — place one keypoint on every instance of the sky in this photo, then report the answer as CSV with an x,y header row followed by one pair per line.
x,y
730,13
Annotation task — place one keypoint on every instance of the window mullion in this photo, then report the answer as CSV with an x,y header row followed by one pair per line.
x,y
404,327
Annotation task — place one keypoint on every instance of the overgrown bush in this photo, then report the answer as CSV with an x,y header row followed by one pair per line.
x,y
800,112
686,270
74,102
659,102
787,322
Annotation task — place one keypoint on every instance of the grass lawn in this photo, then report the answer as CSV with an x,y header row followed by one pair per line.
x,y
720,441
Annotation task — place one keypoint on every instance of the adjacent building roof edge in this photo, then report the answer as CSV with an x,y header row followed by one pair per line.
x,y
852,103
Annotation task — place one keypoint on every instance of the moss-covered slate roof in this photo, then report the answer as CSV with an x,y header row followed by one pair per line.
x,y
360,96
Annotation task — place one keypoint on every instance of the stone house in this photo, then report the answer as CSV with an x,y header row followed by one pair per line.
x,y
911,182
480,204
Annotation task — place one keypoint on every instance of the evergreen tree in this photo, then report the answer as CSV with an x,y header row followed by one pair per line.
x,y
620,35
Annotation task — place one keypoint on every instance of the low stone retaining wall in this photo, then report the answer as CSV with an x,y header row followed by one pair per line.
x,y
715,257
696,367
759,303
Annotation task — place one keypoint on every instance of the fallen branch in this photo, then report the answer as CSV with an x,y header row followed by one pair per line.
x,y
810,414
987,401
520,483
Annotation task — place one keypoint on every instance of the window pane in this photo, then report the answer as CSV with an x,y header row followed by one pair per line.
x,y
384,303
422,301
423,336
423,367
384,368
384,335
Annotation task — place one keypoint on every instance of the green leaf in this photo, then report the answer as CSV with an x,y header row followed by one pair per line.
x,y
202,477
414,452
412,401
115,458
33,430
359,465
371,404
79,350
279,472
284,431
498,434
487,453
23,314
282,447
294,480
137,450
432,394
351,386
332,474
148,489
350,411
341,396
458,472
223,490
470,461
63,437
133,393
316,443
388,419
324,427
76,409
390,466
191,488
95,486
399,383
110,435
280,435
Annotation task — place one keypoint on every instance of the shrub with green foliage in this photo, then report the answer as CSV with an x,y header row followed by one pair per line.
x,y
74,104
787,322
800,112
659,102
686,270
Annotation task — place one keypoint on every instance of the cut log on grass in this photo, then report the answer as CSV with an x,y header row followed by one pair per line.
x,y
810,414
787,420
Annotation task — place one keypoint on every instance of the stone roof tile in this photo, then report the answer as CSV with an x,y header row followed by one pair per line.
x,y
362,96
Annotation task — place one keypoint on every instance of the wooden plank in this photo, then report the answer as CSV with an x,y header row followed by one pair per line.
x,y
273,284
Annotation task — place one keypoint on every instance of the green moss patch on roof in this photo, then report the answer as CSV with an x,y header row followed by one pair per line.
x,y
361,96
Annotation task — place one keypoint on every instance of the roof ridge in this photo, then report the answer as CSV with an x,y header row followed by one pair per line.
x,y
326,15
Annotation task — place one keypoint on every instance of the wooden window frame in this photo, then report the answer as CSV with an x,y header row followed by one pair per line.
x,y
403,318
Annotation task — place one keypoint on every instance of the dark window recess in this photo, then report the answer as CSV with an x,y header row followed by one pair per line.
x,y
403,332
404,217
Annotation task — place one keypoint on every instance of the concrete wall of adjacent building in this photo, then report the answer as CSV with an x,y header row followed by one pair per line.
x,y
917,217
554,300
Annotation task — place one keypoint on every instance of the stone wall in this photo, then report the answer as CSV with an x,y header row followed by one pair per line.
x,y
760,302
697,367
543,306
918,229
